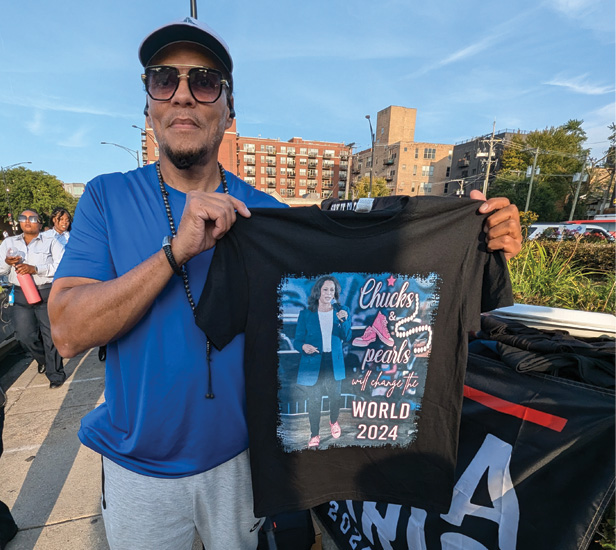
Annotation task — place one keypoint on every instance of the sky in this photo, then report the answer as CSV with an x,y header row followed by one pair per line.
x,y
70,76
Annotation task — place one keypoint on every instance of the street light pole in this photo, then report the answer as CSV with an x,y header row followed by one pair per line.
x,y
133,153
371,156
8,197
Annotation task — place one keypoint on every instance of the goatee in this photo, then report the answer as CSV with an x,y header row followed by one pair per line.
x,y
184,160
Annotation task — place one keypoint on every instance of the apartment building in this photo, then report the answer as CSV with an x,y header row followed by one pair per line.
x,y
409,167
470,158
293,169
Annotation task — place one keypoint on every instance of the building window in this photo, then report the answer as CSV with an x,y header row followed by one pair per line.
x,y
283,150
303,161
302,171
249,147
404,167
448,171
405,149
262,147
263,169
283,160
303,151
449,155
283,171
414,169
416,152
429,153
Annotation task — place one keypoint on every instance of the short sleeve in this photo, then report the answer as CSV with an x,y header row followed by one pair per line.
x,y
223,307
87,253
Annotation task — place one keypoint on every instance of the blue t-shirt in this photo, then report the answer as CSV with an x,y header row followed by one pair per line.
x,y
156,419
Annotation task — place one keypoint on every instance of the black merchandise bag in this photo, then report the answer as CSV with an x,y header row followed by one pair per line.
x,y
535,471
287,531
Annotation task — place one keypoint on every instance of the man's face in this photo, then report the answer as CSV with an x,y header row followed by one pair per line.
x,y
188,133
61,223
28,227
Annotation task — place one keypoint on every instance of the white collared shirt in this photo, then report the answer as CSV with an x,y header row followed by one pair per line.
x,y
43,252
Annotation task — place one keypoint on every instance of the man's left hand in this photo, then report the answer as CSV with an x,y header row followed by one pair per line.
x,y
503,231
25,269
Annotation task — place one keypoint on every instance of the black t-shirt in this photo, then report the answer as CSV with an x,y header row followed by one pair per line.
x,y
414,282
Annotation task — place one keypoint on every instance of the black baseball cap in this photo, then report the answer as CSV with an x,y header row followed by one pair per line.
x,y
186,30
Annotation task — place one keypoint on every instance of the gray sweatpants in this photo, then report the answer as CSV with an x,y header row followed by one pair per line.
x,y
146,513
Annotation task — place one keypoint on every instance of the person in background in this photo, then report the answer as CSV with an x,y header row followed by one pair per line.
x,y
61,225
33,255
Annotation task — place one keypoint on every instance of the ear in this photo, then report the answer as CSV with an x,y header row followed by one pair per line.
x,y
146,112
231,112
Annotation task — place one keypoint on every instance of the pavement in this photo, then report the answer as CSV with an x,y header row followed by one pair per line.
x,y
49,480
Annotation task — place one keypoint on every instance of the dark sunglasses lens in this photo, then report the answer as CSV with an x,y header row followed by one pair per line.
x,y
31,219
205,84
161,82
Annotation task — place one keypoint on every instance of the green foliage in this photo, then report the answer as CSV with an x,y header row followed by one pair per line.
x,y
33,189
606,531
595,257
379,188
561,155
552,277
526,220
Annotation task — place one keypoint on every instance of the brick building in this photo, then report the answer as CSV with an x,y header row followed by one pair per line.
x,y
409,167
292,169
470,158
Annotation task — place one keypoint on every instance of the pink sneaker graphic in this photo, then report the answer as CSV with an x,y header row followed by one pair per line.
x,y
366,338
314,442
380,327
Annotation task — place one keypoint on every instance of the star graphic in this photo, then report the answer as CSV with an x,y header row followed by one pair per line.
x,y
391,281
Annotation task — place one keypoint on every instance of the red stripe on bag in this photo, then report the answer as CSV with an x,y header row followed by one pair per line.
x,y
550,421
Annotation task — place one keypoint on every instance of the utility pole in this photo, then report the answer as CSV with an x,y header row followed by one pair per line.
x,y
485,181
532,176
193,9
349,166
577,190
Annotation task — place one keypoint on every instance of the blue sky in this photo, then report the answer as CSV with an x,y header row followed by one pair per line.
x,y
71,78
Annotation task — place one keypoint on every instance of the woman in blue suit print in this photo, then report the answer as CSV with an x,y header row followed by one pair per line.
x,y
321,330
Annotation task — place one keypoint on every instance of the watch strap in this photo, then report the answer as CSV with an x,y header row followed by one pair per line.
x,y
170,258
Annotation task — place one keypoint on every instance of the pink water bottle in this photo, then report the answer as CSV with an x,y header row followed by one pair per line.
x,y
26,282
29,288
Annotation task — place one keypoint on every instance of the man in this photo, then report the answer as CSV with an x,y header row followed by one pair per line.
x,y
33,255
172,430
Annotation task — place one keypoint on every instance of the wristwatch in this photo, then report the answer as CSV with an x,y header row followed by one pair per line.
x,y
167,250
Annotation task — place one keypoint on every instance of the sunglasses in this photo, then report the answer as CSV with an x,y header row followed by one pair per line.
x,y
31,219
162,81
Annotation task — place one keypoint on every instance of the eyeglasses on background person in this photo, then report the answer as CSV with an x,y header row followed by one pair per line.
x,y
32,219
162,81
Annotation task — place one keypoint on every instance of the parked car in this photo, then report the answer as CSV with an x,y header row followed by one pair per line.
x,y
607,222
567,231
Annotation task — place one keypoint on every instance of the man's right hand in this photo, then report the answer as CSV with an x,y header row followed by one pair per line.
x,y
206,219
13,260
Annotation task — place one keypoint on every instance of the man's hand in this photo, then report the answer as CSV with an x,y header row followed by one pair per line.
x,y
503,231
309,349
206,218
25,269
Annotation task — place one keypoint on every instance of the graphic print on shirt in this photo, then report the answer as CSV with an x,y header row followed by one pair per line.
x,y
353,357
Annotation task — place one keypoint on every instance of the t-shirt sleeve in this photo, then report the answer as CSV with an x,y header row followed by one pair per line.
x,y
222,309
496,289
87,252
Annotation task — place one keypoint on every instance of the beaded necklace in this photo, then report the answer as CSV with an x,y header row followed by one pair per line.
x,y
191,302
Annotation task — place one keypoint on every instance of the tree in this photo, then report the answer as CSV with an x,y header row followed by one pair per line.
x,y
379,188
33,189
560,156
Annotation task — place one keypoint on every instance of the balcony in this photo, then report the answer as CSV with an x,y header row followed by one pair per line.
x,y
463,163
251,172
356,171
291,163
312,185
271,151
271,161
250,161
290,153
312,173
388,161
328,155
312,154
290,173
389,178
344,155
313,164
